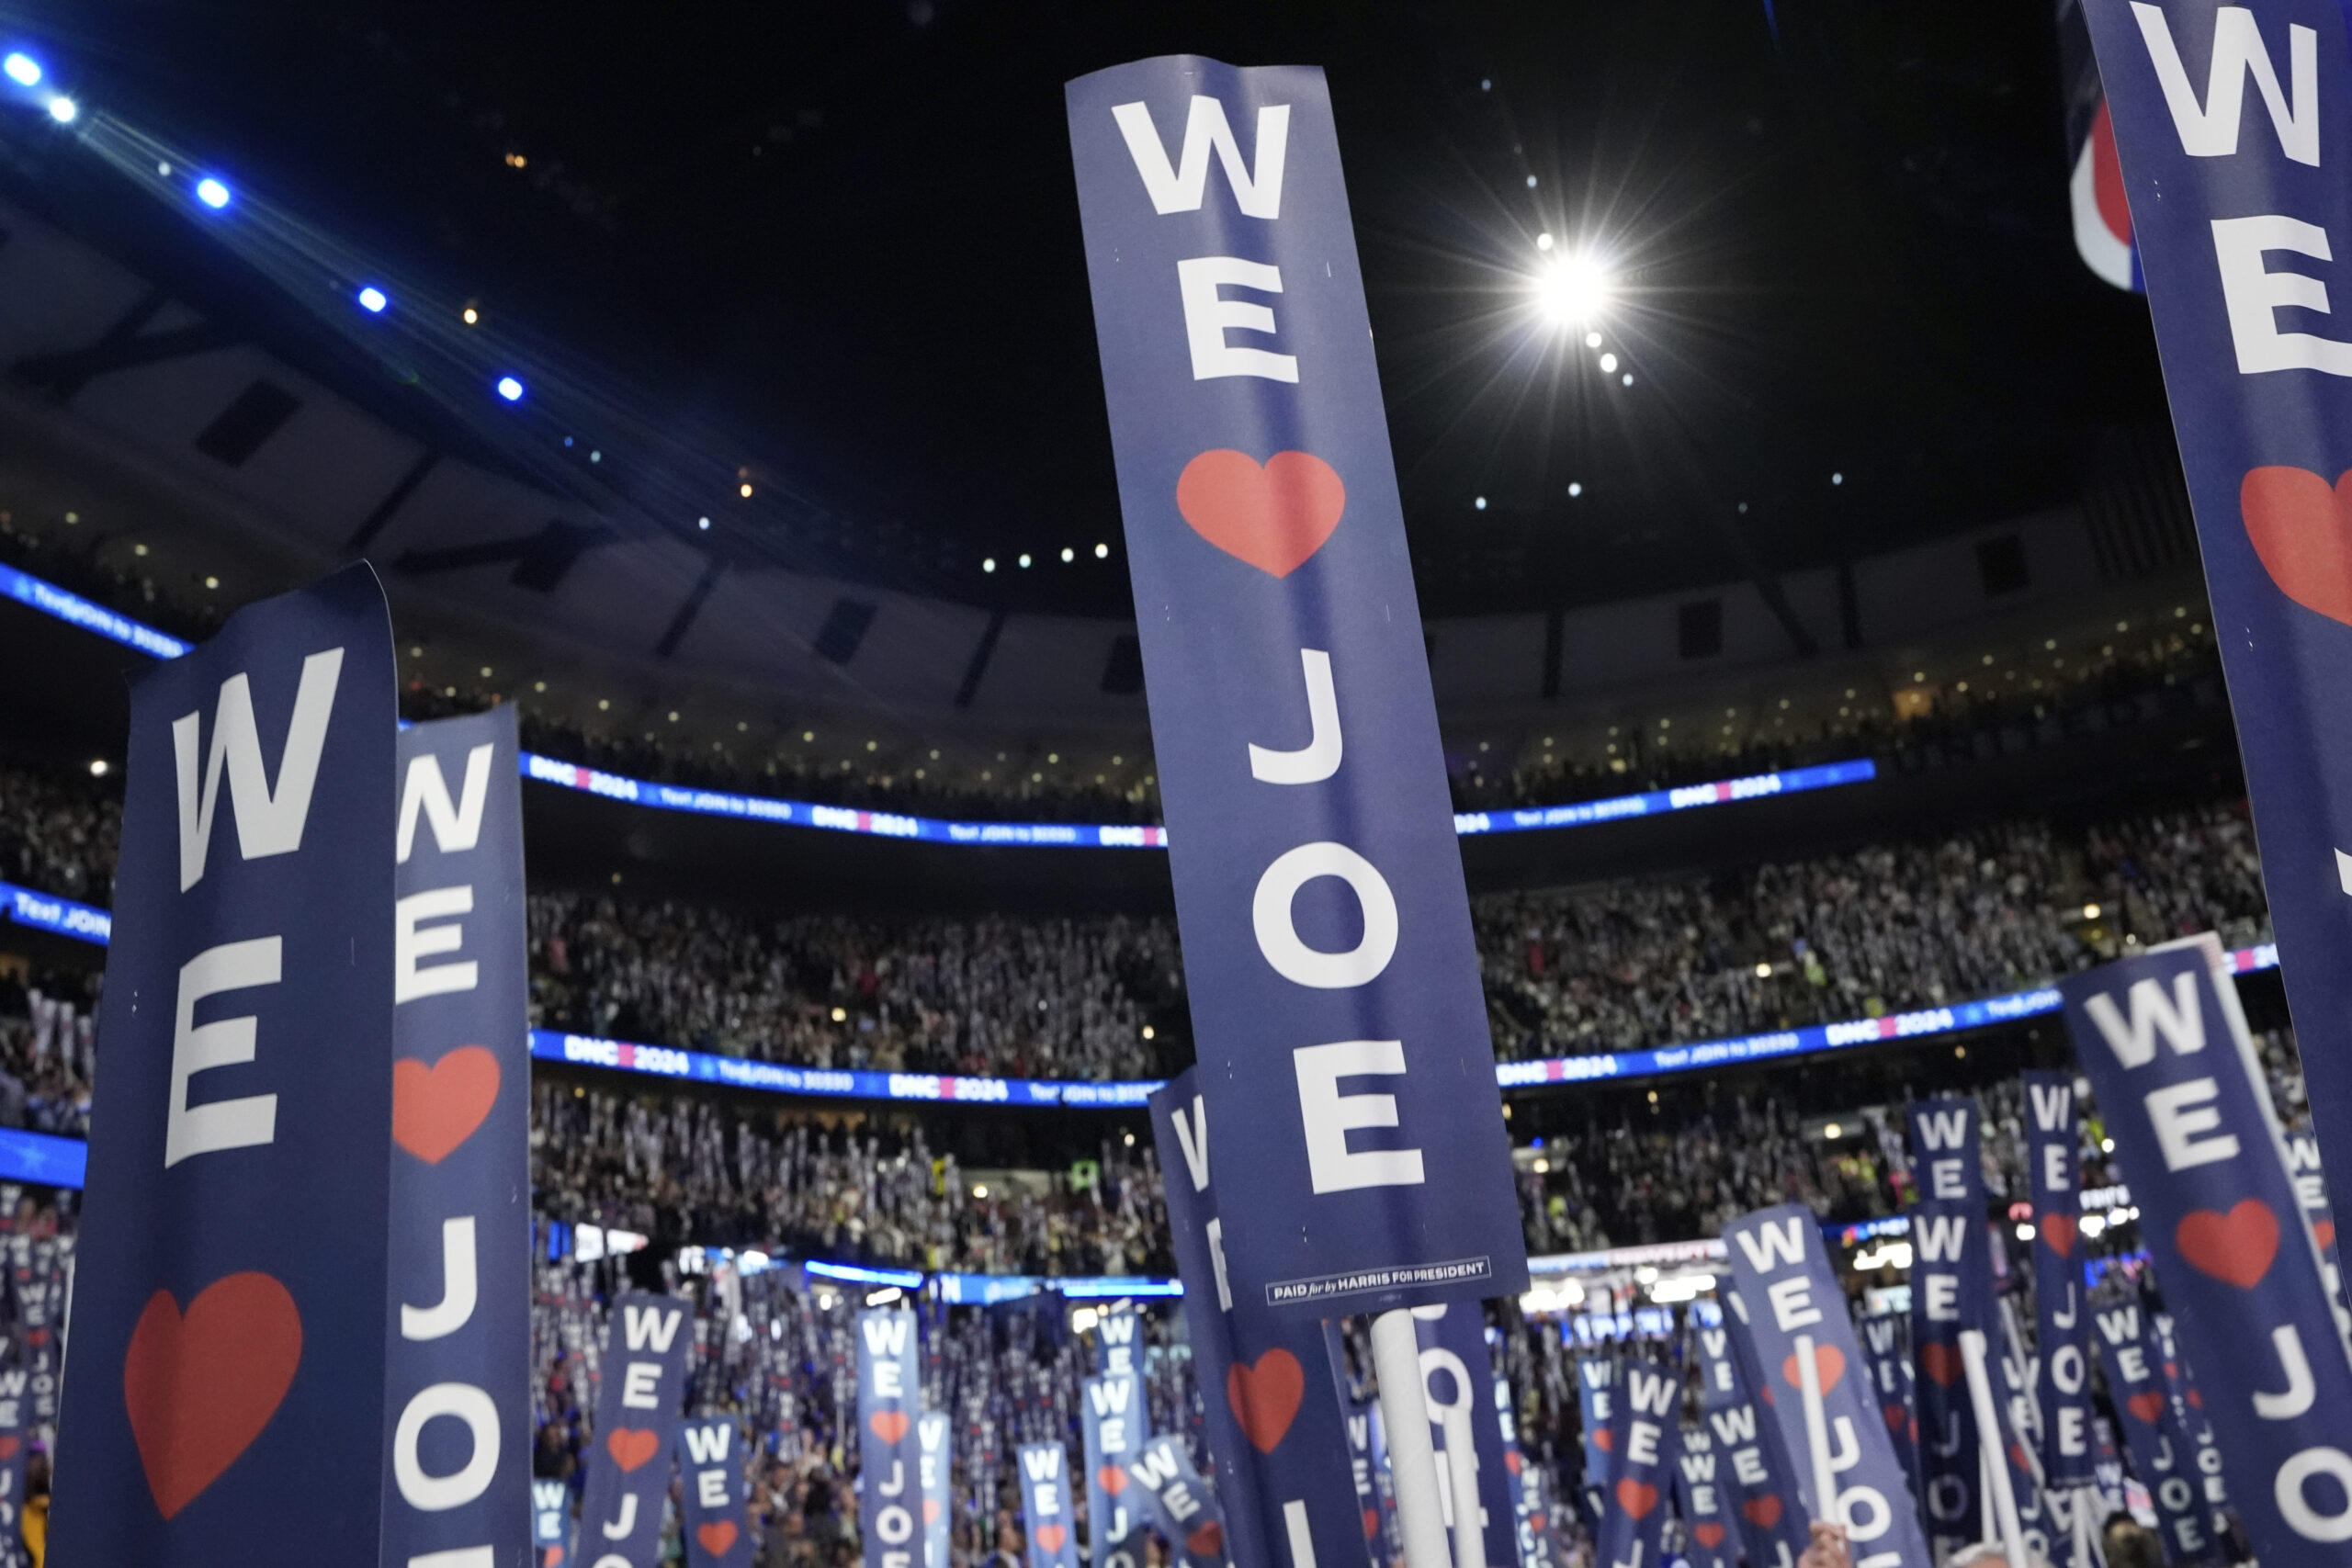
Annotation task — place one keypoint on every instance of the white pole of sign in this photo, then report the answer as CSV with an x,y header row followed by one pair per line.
x,y
1988,1442
1816,1432
1412,1456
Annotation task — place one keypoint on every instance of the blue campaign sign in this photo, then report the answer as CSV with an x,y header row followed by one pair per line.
x,y
710,1464
550,1524
1046,1513
1647,1425
229,1319
1118,1335
1360,1416
1327,949
2185,1103
1794,1307
1114,1426
1187,1510
2230,125
1703,1497
637,1401
1273,1410
1457,1385
1952,1290
1771,1512
1524,1484
458,1336
935,1455
2191,1405
890,1398
1887,1349
16,1444
1595,1389
2163,1455
2062,1330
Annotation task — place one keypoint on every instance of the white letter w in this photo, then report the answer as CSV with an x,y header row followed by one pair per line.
x,y
269,822
2211,132
1259,192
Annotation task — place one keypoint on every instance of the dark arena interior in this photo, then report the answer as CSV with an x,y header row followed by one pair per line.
x,y
788,481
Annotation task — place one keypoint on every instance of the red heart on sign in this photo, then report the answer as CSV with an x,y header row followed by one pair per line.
x,y
1051,1537
2146,1406
2324,1231
1941,1362
1371,1523
2297,524
1206,1541
930,1510
632,1446
1273,517
1511,1461
1709,1535
437,1108
1112,1479
716,1537
2195,1398
36,1336
890,1425
1763,1512
551,1558
8,1446
1604,1439
1265,1397
200,1388
2236,1248
2058,1230
1637,1498
1896,1417
1829,1363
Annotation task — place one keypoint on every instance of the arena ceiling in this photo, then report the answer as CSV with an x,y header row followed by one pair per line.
x,y
831,250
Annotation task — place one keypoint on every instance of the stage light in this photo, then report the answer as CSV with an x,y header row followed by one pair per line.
x,y
1480,504
1627,379
1609,364
1068,555
372,301
1592,340
23,70
989,564
1573,289
1024,563
98,765
702,523
1837,478
63,110
469,316
1102,552
744,490
212,193
1543,242
1575,489
510,389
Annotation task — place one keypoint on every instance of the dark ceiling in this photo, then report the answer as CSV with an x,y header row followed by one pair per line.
x,y
841,240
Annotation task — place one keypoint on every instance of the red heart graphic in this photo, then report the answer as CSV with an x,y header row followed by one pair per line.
x,y
1265,1397
890,1425
1709,1535
2196,1399
2058,1230
1604,1439
8,1446
1511,1461
2237,1246
632,1447
1112,1479
36,1336
930,1510
1940,1362
1274,517
1828,1360
551,1558
1637,1498
2018,1461
716,1537
1371,1523
1763,1512
2324,1231
1207,1539
201,1387
437,1108
2297,524
1896,1417
1051,1537
2146,1406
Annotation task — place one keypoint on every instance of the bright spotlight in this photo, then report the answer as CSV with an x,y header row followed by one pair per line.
x,y
510,389
63,110
1573,289
22,69
212,193
1608,365
372,301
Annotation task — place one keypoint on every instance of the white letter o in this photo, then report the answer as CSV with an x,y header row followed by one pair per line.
x,y
2296,1474
1278,939
433,1494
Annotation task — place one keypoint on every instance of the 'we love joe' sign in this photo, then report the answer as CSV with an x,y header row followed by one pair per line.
x,y
1344,1056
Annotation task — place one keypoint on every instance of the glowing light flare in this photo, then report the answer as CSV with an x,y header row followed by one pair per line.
x,y
63,110
1573,289
212,193
22,69
510,389
373,301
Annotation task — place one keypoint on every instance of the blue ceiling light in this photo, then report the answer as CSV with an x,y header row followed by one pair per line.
x,y
212,193
372,301
63,110
22,69
510,389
